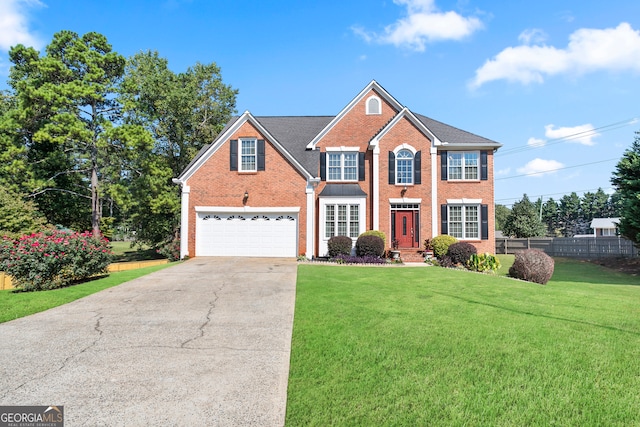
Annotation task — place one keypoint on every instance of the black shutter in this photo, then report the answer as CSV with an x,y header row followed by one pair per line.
x,y
484,222
417,168
360,166
416,228
261,154
443,166
323,166
393,227
444,225
392,168
484,173
233,155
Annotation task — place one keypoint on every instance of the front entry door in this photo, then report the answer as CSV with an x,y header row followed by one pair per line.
x,y
404,229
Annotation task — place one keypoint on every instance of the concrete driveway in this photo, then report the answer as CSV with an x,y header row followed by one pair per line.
x,y
205,342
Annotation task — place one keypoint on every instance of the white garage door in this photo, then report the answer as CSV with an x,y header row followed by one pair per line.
x,y
256,234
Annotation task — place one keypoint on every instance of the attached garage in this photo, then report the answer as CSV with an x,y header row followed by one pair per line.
x,y
249,232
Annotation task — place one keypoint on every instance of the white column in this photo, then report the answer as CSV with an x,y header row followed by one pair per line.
x,y
184,222
435,211
375,176
311,208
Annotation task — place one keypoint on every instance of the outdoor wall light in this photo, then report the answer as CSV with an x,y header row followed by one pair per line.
x,y
404,190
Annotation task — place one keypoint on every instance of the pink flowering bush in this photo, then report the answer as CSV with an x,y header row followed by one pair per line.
x,y
51,259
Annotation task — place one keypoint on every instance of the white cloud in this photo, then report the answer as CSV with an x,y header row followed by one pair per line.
x,y
588,50
14,24
538,167
423,24
582,134
533,35
535,142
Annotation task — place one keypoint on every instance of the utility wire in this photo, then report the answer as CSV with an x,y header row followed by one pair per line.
x,y
577,135
554,170
552,194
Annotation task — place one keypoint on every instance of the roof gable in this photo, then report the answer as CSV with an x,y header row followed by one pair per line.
x,y
208,150
364,92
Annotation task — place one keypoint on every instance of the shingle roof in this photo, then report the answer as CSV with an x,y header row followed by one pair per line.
x,y
295,132
453,135
604,222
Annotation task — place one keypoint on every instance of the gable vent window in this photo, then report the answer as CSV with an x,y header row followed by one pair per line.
x,y
374,106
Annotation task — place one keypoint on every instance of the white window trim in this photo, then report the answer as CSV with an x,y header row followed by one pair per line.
x,y
464,233
374,113
477,153
342,150
255,155
324,201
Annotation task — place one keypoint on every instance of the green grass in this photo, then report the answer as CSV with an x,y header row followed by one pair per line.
x,y
123,252
19,304
431,346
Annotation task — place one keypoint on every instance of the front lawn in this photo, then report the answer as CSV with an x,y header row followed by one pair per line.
x,y
431,346
19,304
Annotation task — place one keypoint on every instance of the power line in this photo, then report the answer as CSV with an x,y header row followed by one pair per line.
x,y
552,194
554,170
577,135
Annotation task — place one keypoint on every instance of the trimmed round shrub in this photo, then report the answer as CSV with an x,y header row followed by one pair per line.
x,y
339,245
440,244
380,234
460,252
532,265
369,245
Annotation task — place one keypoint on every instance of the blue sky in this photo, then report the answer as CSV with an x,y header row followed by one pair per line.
x,y
556,82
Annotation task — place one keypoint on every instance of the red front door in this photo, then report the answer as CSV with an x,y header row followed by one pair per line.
x,y
404,229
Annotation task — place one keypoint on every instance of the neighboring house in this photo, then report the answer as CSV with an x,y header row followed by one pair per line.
x,y
282,186
605,226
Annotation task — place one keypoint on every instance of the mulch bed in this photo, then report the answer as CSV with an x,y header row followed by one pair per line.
x,y
624,265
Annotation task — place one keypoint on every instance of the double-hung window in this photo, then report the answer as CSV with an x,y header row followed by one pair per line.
x,y
342,166
248,155
342,220
463,165
404,167
464,221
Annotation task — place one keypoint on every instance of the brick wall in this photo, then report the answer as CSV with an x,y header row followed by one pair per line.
x,y
281,184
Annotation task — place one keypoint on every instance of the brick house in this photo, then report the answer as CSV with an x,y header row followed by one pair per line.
x,y
282,186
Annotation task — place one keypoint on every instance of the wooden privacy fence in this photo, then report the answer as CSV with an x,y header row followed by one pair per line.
x,y
571,247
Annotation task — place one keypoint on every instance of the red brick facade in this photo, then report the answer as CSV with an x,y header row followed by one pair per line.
x,y
283,184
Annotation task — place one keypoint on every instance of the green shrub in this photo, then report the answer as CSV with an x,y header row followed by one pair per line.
x,y
339,245
170,250
440,244
52,259
532,265
446,262
380,234
460,252
483,263
371,245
